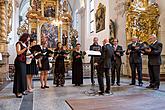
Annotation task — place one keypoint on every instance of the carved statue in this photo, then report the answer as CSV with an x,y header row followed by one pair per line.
x,y
64,39
112,29
65,6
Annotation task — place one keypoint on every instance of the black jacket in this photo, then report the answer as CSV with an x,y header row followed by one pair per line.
x,y
135,54
107,55
117,58
154,57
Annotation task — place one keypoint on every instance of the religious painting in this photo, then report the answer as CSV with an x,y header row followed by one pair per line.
x,y
49,9
34,33
49,33
100,18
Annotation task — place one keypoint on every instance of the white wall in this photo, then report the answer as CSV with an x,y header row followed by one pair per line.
x,y
162,22
13,35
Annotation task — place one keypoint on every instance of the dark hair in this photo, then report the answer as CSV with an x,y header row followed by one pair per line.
x,y
58,44
116,39
78,44
24,37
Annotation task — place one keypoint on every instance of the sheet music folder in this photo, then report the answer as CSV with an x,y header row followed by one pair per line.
x,y
93,53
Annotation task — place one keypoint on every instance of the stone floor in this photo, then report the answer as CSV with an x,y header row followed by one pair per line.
x,y
54,98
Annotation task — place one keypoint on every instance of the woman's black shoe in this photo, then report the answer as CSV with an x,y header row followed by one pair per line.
x,y
46,86
42,87
24,93
18,96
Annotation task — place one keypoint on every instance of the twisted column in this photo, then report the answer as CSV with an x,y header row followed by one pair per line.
x,y
3,18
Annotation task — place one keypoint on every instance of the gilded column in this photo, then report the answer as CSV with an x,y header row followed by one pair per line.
x,y
4,63
3,17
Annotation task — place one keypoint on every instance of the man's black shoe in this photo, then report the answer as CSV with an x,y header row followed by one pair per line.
x,y
140,84
101,93
107,91
118,84
112,84
150,86
156,88
132,84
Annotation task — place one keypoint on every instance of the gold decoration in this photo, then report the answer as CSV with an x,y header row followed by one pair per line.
x,y
51,13
141,19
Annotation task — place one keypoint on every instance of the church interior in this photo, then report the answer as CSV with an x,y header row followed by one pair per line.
x,y
73,22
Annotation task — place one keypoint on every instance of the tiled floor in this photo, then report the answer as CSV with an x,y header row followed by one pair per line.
x,y
54,98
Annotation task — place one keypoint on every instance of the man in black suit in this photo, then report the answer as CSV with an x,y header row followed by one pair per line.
x,y
135,60
116,64
154,61
94,59
105,64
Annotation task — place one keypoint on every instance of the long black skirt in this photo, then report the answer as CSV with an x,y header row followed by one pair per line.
x,y
20,82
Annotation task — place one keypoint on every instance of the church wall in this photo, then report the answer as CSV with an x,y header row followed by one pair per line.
x,y
88,37
13,35
162,22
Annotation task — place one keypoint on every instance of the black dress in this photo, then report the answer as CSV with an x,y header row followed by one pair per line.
x,y
45,61
32,69
77,69
20,82
59,73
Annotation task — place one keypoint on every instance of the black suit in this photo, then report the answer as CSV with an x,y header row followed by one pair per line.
x,y
94,59
135,61
104,66
154,62
116,64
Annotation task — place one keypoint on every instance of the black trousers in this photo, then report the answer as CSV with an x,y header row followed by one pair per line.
x,y
100,76
92,73
115,70
137,66
154,73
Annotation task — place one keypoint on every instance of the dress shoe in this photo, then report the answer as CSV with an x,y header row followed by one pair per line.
x,y
150,86
101,93
18,95
42,87
46,86
107,91
24,93
112,84
118,84
132,84
156,88
140,84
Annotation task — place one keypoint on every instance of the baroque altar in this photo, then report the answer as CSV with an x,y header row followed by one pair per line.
x,y
49,21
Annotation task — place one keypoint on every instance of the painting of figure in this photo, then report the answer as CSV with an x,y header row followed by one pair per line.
x,y
49,33
49,11
100,18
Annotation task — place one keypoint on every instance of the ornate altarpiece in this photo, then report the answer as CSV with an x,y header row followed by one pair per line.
x,y
50,20
141,19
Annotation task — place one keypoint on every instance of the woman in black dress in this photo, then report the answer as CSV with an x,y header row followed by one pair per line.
x,y
77,67
20,82
44,65
31,67
59,75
